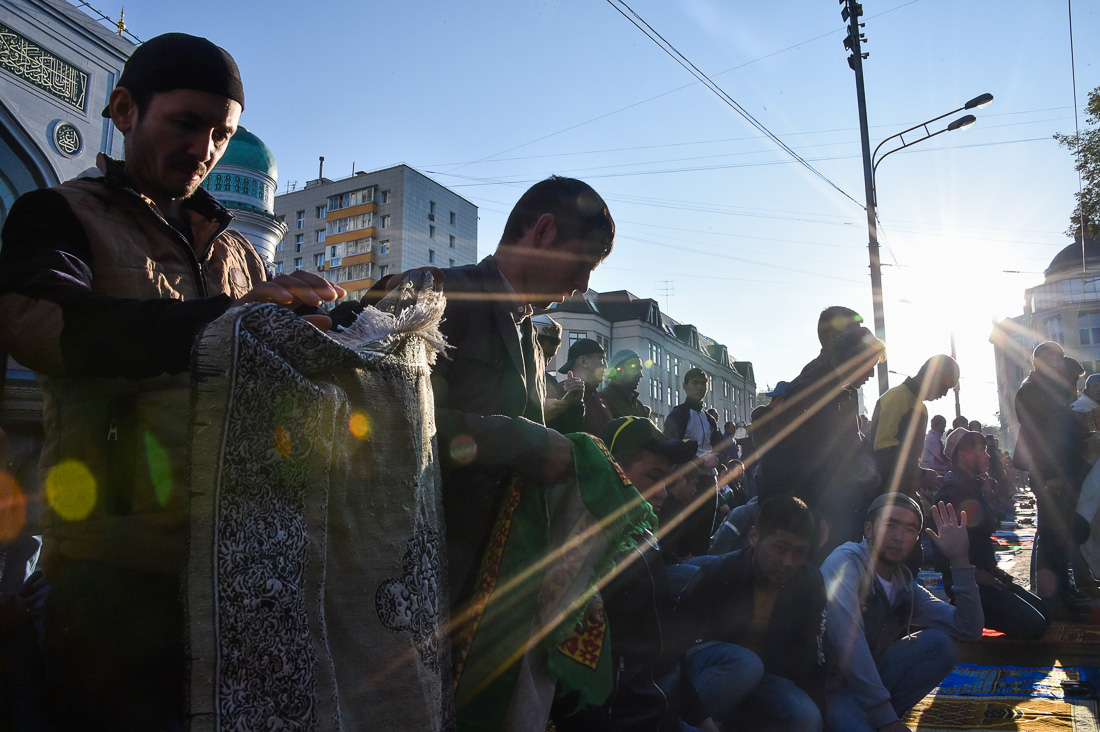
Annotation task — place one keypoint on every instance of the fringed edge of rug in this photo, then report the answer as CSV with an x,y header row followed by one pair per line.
x,y
412,309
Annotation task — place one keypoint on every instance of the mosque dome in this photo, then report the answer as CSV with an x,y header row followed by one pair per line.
x,y
247,151
1069,259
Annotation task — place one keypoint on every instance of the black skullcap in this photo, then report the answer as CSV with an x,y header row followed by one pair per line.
x,y
179,61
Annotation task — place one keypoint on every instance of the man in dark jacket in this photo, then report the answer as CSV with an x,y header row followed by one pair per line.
x,y
105,283
692,523
587,361
652,692
1008,607
1051,447
820,454
624,372
769,603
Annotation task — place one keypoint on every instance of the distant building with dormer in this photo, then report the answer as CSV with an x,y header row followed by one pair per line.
x,y
668,349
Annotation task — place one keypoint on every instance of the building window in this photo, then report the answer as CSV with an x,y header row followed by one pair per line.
x,y
577,335
319,236
350,223
319,260
450,263
297,263
278,268
383,246
1089,327
383,270
279,246
298,239
668,398
385,224
1052,326
300,223
320,211
452,242
431,231
431,208
431,256
385,197
352,198
453,217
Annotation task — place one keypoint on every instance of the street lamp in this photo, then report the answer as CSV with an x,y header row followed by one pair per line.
x,y
870,170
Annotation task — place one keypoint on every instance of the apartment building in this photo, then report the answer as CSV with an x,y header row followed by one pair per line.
x,y
355,230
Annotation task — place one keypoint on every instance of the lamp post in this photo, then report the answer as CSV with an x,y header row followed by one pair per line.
x,y
850,13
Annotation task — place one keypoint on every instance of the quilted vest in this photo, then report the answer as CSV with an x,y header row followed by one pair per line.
x,y
131,435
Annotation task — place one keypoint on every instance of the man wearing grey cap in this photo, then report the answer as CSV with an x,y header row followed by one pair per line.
x,y
105,283
880,667
624,372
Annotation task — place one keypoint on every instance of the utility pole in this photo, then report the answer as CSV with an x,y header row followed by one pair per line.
x,y
668,289
851,13
958,406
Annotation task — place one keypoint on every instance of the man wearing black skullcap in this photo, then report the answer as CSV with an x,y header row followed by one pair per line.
x,y
105,282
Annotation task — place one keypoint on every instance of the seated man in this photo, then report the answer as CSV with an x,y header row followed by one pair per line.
x,y
651,691
879,666
758,616
1008,607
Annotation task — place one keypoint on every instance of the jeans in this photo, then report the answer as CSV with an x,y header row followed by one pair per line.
x,y
738,693
1014,611
778,705
909,669
724,675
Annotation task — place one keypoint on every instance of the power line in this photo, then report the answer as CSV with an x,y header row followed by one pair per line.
x,y
661,42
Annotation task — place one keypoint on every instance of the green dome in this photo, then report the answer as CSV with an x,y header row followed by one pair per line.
x,y
245,150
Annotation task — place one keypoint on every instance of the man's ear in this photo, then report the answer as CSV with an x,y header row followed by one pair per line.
x,y
544,232
123,108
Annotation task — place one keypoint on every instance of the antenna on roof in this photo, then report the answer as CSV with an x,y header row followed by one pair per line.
x,y
668,289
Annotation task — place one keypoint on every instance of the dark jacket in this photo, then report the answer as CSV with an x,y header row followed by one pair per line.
x,y
623,402
103,297
717,605
965,494
1051,442
651,693
677,420
823,459
488,410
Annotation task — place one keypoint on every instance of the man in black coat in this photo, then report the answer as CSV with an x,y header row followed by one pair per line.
x,y
489,390
767,603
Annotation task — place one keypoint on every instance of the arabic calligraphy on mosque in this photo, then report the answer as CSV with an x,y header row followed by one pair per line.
x,y
32,63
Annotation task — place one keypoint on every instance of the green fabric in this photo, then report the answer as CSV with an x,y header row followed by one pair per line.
x,y
489,676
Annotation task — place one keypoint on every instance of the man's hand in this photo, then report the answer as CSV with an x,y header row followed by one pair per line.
x,y
294,290
951,538
709,725
573,387
710,460
557,466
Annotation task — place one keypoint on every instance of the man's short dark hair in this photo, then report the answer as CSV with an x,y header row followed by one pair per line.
x,y
1045,347
696,373
785,513
939,423
833,321
579,213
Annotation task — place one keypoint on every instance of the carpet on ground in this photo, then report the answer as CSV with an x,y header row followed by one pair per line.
x,y
944,713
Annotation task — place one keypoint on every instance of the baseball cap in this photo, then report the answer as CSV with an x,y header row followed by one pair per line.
x,y
546,327
629,433
180,61
621,357
1092,379
779,390
583,347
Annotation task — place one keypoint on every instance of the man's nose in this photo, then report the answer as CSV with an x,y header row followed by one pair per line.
x,y
203,146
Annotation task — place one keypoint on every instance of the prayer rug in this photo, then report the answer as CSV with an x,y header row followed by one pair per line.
x,y
316,584
944,713
1075,633
1014,681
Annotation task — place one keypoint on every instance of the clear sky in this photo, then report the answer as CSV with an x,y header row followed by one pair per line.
x,y
488,97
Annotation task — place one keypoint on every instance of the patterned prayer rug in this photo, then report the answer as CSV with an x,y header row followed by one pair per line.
x,y
1014,681
1075,633
316,586
944,713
